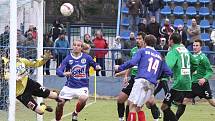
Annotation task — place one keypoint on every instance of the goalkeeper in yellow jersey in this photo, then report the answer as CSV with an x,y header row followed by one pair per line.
x,y
26,88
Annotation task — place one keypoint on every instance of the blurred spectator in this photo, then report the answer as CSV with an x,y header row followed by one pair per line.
x,y
21,41
183,34
87,40
31,46
134,8
153,28
100,43
144,13
162,46
56,29
194,31
47,42
4,37
117,54
213,38
166,30
129,44
33,31
154,8
61,42
142,25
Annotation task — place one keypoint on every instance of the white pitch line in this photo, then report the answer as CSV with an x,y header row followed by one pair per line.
x,y
68,114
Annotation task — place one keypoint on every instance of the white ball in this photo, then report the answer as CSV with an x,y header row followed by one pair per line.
x,y
66,9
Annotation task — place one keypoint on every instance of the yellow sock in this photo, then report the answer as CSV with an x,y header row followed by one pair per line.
x,y
43,107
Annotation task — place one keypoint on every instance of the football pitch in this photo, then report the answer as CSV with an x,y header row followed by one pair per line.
x,y
105,110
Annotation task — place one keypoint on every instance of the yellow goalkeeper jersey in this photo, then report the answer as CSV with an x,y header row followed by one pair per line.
x,y
22,65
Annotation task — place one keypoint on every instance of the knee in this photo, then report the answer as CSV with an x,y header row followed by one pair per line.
x,y
83,99
164,107
212,102
186,100
122,98
138,109
61,104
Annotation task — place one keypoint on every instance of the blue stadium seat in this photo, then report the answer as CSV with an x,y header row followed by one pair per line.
x,y
213,25
124,10
204,24
178,22
190,47
179,1
162,22
191,1
213,13
204,11
166,10
189,23
167,1
191,11
205,48
205,37
125,21
125,34
204,1
178,10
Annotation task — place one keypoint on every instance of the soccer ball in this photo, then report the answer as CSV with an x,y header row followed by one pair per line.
x,y
66,9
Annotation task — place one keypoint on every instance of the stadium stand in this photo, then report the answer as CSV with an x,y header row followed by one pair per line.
x,y
178,10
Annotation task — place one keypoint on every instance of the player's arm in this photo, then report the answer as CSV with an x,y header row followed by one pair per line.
x,y
208,68
134,61
171,59
124,73
61,69
35,63
94,64
166,71
39,62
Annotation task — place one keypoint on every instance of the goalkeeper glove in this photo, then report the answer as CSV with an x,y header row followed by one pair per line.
x,y
47,55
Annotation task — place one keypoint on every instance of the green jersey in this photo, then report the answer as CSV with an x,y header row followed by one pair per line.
x,y
179,59
134,68
204,70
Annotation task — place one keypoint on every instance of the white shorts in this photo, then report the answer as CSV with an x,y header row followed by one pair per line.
x,y
69,93
141,92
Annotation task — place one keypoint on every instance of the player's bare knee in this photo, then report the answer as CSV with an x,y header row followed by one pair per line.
x,y
83,98
186,101
61,104
122,97
138,109
211,102
164,107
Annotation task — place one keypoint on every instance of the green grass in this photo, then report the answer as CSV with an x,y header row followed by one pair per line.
x,y
105,110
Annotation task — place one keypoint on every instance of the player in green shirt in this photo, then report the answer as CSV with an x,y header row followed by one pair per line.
x,y
180,61
128,84
200,85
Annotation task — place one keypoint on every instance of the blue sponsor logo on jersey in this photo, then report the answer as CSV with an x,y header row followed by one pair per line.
x,y
79,71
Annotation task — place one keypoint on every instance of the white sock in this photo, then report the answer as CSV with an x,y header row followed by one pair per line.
x,y
156,119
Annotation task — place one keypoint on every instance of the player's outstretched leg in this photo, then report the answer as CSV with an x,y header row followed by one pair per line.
x,y
180,111
121,105
126,111
155,112
79,106
211,102
59,110
121,110
168,113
